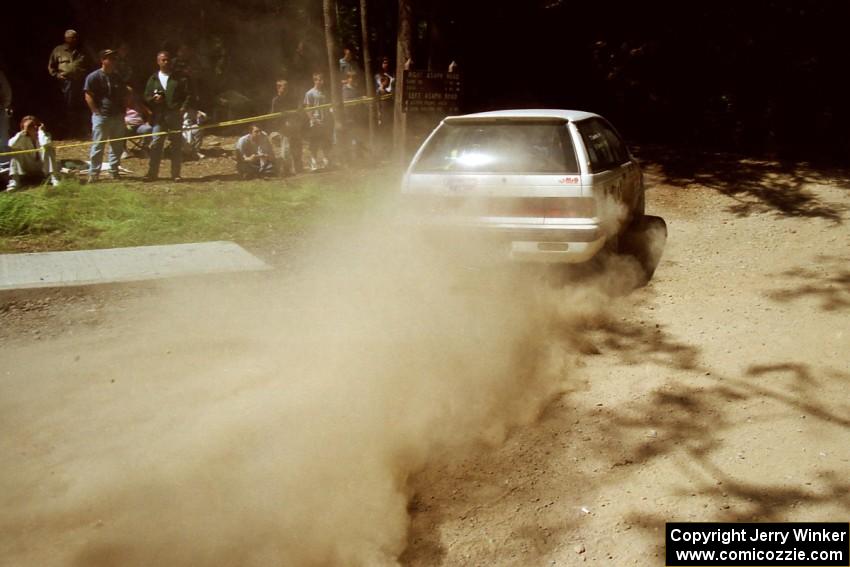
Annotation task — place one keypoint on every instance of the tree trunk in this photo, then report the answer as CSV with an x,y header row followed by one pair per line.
x,y
403,54
329,12
367,73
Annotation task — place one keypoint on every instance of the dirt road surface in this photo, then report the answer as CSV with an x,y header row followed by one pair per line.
x,y
719,392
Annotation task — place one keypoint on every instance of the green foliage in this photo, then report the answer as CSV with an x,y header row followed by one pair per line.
x,y
110,215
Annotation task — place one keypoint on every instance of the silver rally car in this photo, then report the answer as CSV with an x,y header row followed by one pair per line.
x,y
547,185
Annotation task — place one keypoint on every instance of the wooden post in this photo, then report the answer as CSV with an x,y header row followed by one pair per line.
x,y
329,13
403,62
367,72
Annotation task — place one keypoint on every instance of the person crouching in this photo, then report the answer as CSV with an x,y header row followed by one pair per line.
x,y
254,154
37,164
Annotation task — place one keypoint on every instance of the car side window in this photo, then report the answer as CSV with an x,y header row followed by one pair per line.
x,y
618,147
605,149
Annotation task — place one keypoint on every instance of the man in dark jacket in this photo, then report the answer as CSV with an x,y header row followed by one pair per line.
x,y
291,126
168,96
69,64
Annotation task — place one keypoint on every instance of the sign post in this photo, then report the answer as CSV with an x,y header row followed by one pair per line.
x,y
428,97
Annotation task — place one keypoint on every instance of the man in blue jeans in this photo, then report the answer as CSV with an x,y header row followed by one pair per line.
x,y
106,95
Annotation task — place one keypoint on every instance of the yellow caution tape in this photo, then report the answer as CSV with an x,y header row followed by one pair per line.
x,y
260,118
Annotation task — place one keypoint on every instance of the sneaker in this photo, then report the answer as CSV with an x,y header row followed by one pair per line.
x,y
177,179
12,185
148,178
54,181
91,179
114,175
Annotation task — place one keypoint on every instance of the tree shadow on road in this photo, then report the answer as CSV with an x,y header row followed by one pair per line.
x,y
684,424
693,420
757,186
828,282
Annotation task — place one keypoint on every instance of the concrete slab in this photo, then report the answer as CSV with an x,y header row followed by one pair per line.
x,y
55,269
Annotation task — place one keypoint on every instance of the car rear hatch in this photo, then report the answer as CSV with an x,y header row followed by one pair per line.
x,y
503,172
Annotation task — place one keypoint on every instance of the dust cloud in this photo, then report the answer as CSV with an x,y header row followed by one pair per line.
x,y
277,421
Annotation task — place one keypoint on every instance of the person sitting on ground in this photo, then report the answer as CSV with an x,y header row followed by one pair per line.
x,y
254,154
193,135
137,121
32,167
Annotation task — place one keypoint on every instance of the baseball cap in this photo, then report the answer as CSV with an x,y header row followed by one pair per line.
x,y
106,53
70,32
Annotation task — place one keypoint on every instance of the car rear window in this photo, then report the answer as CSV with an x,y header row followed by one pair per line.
x,y
500,147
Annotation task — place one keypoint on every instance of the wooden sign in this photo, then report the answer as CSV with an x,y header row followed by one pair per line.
x,y
431,91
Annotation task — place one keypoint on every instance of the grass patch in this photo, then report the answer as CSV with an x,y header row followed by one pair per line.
x,y
111,215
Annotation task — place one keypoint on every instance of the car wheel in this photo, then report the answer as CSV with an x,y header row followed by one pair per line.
x,y
644,240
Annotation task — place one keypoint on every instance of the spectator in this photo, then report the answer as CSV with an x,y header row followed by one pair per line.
x,y
5,112
385,115
124,66
33,166
254,154
106,95
348,64
320,133
356,118
384,75
137,121
291,127
299,68
193,136
168,97
187,61
187,65
68,64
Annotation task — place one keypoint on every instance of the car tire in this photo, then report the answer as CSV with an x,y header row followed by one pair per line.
x,y
644,240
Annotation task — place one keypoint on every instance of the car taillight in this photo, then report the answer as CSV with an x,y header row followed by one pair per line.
x,y
568,207
548,207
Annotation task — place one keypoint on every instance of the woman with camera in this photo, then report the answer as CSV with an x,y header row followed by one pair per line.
x,y
38,160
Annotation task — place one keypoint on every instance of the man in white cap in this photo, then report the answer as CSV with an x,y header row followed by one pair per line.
x,y
69,65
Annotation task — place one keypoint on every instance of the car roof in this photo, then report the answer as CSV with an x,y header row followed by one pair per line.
x,y
571,115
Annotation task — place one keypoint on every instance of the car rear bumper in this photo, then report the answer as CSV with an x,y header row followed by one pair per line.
x,y
521,242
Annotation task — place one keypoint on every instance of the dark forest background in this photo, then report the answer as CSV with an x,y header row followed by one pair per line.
x,y
758,77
